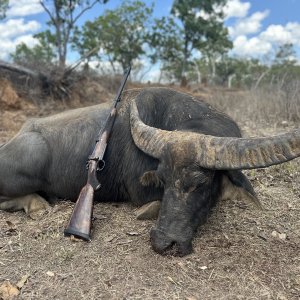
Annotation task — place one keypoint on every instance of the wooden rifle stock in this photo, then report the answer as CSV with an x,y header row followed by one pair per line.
x,y
81,219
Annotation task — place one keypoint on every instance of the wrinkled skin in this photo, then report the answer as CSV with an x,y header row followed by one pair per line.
x,y
189,193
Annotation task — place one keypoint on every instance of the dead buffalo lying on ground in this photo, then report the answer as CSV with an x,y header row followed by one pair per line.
x,y
165,146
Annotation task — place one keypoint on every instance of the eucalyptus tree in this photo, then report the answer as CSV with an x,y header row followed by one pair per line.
x,y
63,15
120,34
202,29
3,8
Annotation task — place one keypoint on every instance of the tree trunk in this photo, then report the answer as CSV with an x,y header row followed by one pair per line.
x,y
230,77
183,79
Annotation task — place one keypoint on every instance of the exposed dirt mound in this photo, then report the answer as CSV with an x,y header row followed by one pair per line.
x,y
14,110
88,92
16,105
9,99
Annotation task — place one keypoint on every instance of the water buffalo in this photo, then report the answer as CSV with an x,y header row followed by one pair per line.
x,y
165,145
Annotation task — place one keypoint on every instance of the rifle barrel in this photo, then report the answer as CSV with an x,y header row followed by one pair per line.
x,y
81,218
126,74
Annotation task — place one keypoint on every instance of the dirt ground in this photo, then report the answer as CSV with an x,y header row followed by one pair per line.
x,y
240,253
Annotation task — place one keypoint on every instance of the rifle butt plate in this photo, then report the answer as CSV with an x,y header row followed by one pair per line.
x,y
72,231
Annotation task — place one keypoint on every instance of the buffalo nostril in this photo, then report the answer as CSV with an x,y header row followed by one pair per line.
x,y
164,245
159,241
183,249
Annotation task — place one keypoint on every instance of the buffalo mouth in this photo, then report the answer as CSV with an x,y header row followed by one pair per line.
x,y
164,245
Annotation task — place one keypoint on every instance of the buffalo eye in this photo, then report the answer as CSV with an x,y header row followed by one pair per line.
x,y
151,178
195,188
195,180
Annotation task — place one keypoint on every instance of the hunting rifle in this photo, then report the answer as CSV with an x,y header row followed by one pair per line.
x,y
81,218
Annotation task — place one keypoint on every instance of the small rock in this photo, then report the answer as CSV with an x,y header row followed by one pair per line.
x,y
49,273
278,235
282,236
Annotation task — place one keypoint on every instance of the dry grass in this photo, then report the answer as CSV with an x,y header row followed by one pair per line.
x,y
241,253
267,106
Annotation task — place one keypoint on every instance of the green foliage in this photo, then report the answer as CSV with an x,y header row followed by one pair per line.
x,y
201,21
121,34
3,8
202,29
239,72
285,55
284,65
168,48
64,15
42,53
128,32
163,37
248,73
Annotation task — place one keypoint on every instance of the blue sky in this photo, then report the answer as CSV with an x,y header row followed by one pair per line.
x,y
257,27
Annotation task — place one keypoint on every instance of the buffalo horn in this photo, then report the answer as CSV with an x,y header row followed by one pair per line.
x,y
226,153
149,139
219,153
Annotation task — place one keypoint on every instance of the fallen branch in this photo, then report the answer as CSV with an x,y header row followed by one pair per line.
x,y
22,71
54,84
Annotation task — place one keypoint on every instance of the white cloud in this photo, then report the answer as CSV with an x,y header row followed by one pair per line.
x,y
153,75
9,46
15,27
15,31
236,9
249,25
202,14
277,34
253,47
268,40
232,9
27,39
294,29
20,8
263,42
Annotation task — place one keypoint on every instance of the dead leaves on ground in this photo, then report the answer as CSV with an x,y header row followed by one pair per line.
x,y
9,291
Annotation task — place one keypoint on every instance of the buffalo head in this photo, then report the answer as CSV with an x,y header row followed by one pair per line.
x,y
188,164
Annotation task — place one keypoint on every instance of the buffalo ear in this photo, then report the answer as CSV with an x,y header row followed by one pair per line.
x,y
150,178
236,185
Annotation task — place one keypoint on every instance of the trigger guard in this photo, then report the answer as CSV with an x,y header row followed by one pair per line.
x,y
101,165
